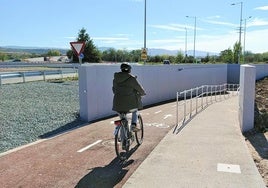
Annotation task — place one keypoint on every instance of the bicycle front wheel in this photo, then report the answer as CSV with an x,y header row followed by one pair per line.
x,y
139,133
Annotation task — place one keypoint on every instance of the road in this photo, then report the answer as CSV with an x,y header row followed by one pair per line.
x,y
84,157
7,67
37,78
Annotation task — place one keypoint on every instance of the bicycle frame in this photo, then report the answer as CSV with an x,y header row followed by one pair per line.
x,y
124,136
121,123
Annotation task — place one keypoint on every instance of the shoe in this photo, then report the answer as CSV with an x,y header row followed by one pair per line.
x,y
134,127
130,135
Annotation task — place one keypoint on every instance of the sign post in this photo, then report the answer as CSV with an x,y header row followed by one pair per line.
x,y
144,54
80,57
78,48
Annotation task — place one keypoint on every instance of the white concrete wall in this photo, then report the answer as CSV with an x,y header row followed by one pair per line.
x,y
247,97
161,82
233,72
261,70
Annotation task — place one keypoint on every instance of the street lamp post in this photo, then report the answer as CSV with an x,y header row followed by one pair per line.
x,y
185,52
245,28
240,28
194,31
144,27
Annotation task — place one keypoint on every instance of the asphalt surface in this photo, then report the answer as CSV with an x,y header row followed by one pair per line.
x,y
84,157
209,151
36,78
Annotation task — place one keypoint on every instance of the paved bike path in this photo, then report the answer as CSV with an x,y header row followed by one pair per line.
x,y
209,151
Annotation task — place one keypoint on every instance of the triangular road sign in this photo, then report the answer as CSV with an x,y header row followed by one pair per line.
x,y
78,47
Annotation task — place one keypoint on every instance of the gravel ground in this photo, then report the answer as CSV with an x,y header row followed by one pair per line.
x,y
257,138
36,110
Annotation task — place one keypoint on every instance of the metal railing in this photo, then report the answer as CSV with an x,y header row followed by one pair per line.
x,y
196,99
43,75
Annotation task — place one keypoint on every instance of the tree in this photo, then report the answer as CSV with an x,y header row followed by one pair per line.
x,y
188,59
226,56
109,55
258,57
91,53
205,59
237,50
265,56
53,53
213,59
248,57
135,55
3,56
122,56
179,57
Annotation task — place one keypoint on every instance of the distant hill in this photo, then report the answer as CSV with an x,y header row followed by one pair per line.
x,y
151,51
30,50
156,51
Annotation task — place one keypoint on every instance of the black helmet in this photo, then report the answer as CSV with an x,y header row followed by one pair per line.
x,y
125,67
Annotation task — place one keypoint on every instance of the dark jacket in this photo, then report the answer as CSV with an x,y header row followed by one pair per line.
x,y
127,92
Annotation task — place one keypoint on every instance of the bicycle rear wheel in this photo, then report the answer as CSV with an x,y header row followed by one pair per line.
x,y
120,143
139,134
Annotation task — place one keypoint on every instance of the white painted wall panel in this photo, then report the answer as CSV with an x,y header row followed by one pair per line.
x,y
161,82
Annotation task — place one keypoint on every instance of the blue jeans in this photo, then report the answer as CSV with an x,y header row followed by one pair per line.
x,y
134,117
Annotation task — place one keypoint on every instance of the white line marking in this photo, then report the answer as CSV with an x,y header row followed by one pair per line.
x,y
228,168
158,125
89,146
166,116
158,112
22,147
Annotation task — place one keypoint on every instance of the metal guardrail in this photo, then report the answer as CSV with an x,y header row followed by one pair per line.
x,y
44,74
196,99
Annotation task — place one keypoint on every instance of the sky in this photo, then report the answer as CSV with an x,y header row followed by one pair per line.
x,y
120,24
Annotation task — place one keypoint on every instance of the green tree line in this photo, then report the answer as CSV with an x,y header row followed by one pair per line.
x,y
93,55
21,56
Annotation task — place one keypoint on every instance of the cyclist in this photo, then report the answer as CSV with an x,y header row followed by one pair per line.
x,y
127,93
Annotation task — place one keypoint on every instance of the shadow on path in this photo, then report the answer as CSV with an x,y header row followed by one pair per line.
x,y
68,127
108,176
259,142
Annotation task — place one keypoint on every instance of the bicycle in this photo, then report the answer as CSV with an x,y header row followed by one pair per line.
x,y
124,136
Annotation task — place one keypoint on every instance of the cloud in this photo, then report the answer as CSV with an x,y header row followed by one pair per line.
x,y
214,17
123,35
262,8
216,43
111,38
166,41
257,22
70,37
137,0
123,42
256,42
170,44
215,20
219,23
170,27
175,27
